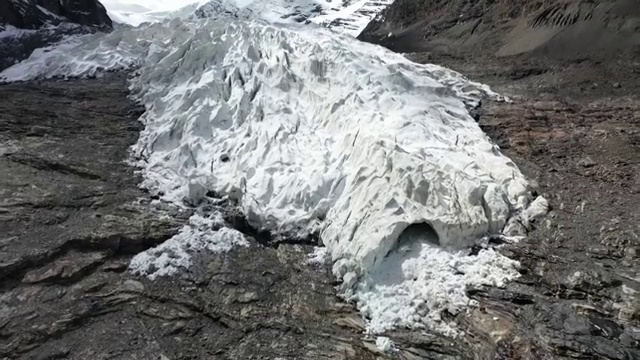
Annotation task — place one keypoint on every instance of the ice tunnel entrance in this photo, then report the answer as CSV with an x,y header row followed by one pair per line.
x,y
417,233
419,280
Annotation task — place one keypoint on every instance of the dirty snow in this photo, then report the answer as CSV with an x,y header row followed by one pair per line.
x,y
418,281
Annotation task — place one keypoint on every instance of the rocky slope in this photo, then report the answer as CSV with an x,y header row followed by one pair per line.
x,y
568,29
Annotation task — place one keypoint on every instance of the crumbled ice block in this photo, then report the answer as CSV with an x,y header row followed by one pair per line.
x,y
312,131
318,257
175,254
538,209
418,280
384,344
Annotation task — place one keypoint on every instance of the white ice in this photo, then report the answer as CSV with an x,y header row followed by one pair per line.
x,y
136,12
418,281
384,344
312,131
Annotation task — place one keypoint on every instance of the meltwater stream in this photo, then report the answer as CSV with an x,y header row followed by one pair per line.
x,y
312,131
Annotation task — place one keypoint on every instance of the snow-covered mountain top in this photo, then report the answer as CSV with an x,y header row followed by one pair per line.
x,y
349,15
34,14
26,25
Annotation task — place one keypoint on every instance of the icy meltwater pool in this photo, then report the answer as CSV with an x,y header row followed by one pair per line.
x,y
312,131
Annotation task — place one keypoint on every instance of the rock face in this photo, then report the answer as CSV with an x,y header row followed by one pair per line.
x,y
26,25
570,29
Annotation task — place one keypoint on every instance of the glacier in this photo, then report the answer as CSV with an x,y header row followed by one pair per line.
x,y
350,16
312,132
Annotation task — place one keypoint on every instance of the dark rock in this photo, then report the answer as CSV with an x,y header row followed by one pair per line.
x,y
248,297
630,313
67,268
631,253
86,12
599,251
590,281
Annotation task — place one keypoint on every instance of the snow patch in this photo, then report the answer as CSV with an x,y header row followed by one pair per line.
x,y
136,12
537,209
174,255
12,32
318,257
351,16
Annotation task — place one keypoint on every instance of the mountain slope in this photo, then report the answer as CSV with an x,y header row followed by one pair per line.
x,y
26,25
34,14
569,29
